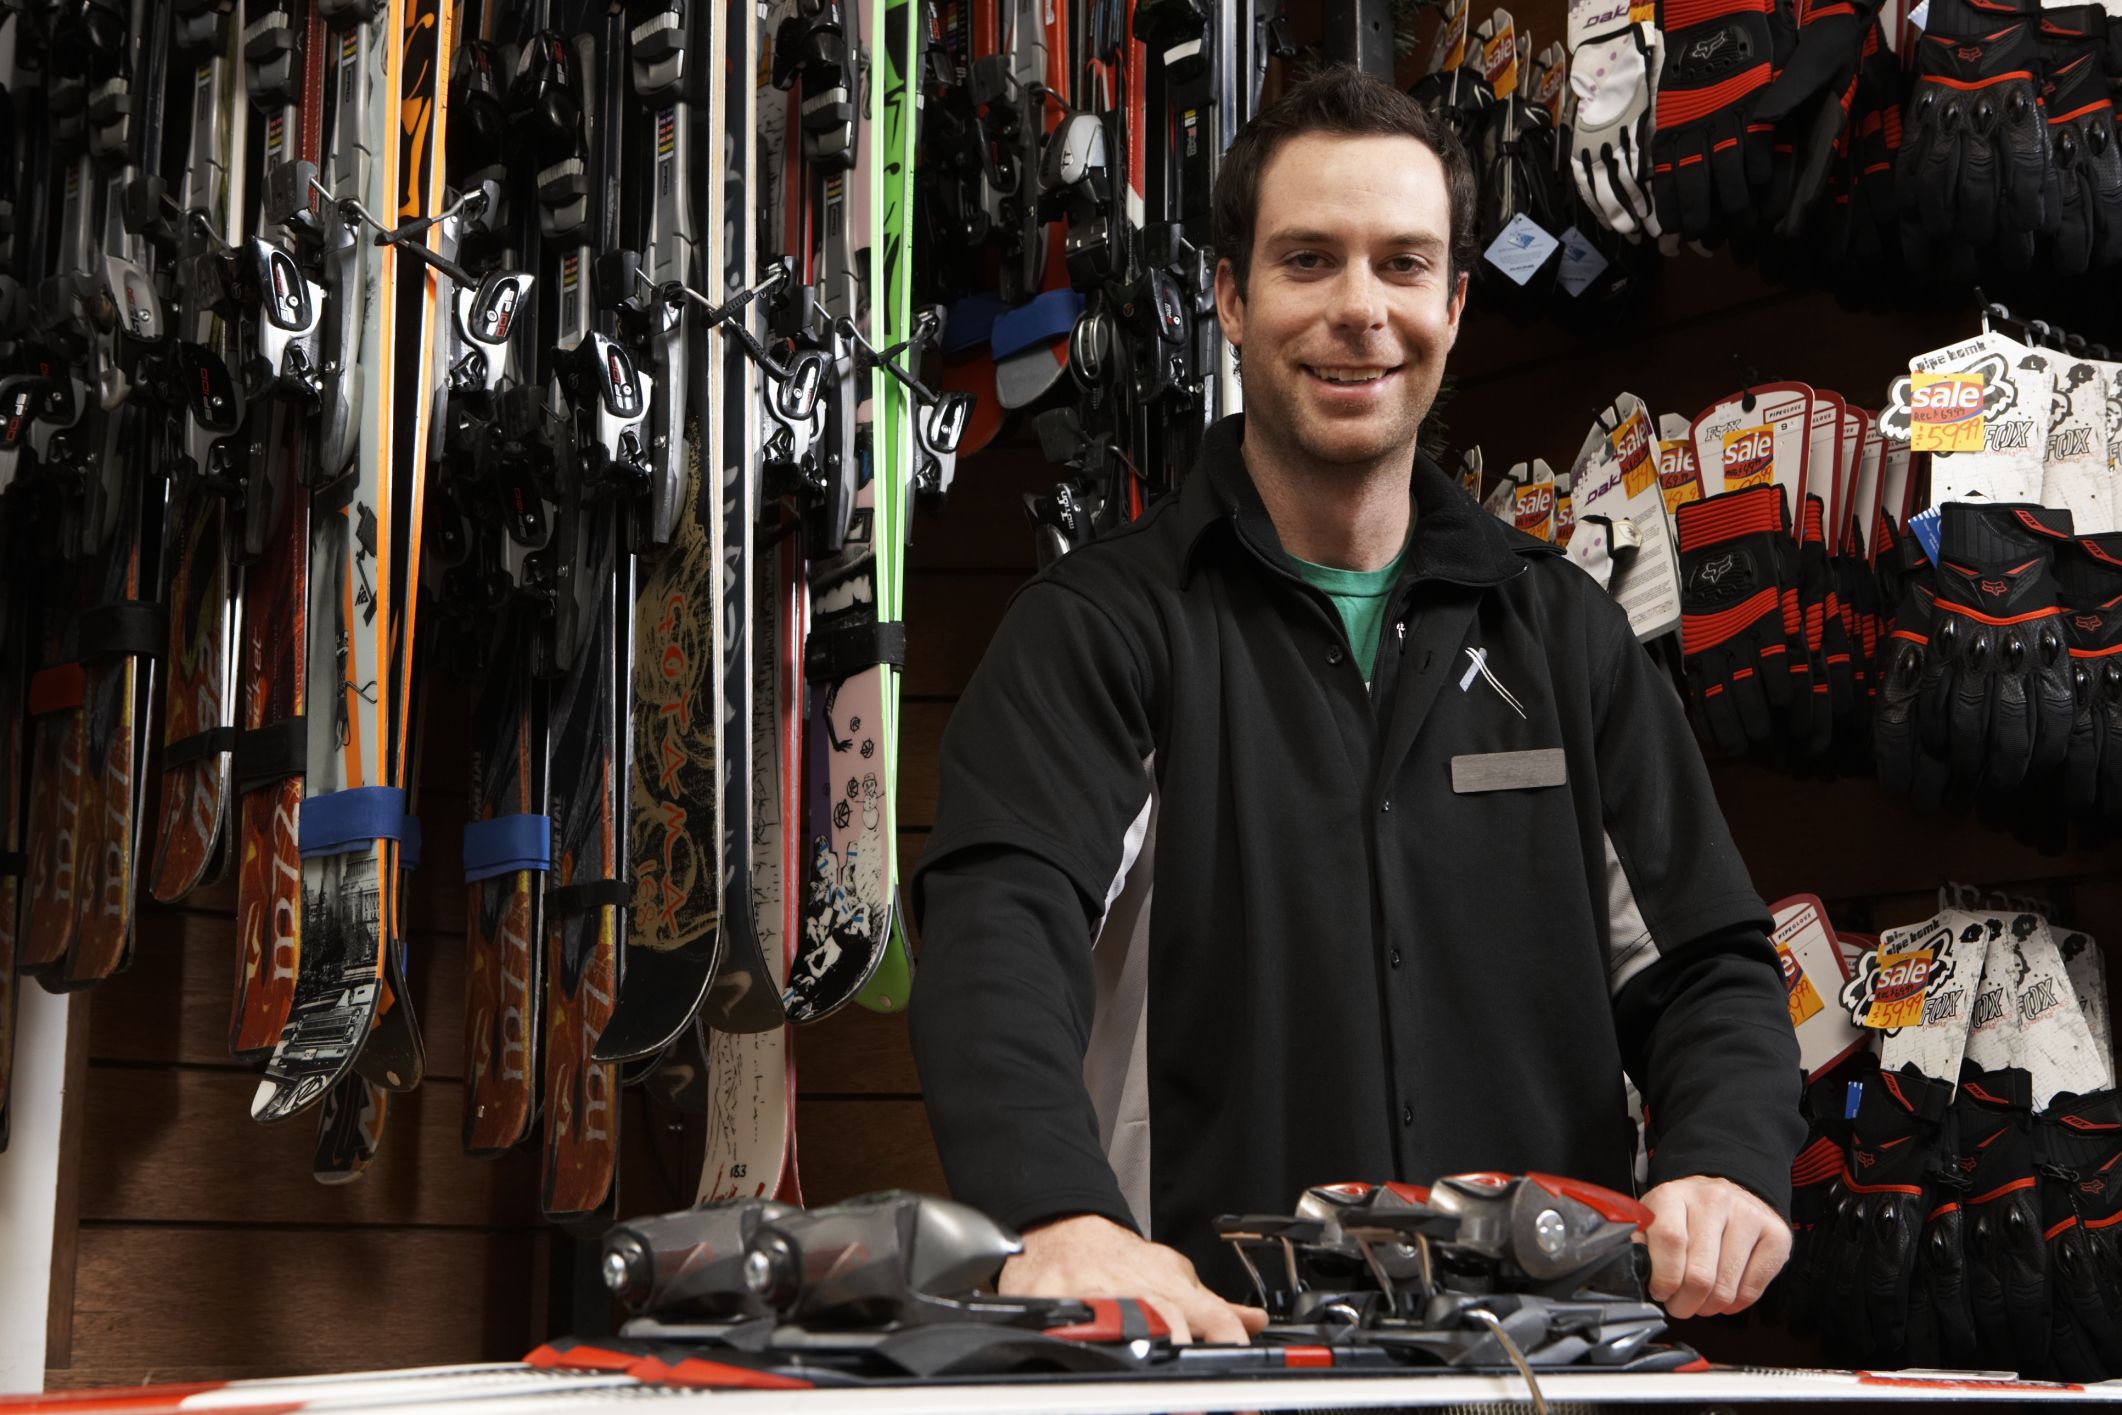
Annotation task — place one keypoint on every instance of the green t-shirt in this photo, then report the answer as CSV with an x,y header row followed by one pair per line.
x,y
1359,597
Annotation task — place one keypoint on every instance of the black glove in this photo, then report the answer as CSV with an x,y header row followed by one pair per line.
x,y
1711,156
1827,647
1872,1242
2007,1267
2089,592
1809,101
1981,651
2079,1139
2081,128
1738,606
1976,167
1800,1290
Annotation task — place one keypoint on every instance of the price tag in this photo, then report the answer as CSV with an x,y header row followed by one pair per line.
x,y
1945,412
1898,1001
1749,457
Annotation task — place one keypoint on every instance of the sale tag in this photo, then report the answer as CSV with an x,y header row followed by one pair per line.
x,y
1799,992
1631,441
1945,412
1749,457
1898,1002
1499,56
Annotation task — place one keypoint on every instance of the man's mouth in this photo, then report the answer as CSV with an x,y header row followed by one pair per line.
x,y
1357,374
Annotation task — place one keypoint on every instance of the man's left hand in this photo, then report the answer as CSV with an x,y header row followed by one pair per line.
x,y
1713,1246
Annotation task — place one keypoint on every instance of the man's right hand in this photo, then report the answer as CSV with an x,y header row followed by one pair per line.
x,y
1089,1256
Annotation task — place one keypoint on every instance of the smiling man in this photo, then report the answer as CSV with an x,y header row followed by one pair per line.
x,y
1319,826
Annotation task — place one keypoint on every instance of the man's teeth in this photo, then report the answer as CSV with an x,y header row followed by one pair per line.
x,y
1350,375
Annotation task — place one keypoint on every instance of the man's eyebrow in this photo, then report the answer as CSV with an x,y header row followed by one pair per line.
x,y
1414,240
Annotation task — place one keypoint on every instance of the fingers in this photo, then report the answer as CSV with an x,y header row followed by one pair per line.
x,y
1771,1252
1254,1318
1174,1315
1667,1241
1703,1267
1216,1320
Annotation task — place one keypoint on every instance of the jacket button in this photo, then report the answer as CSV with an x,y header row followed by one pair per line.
x,y
1407,1115
1386,805
1396,958
1334,655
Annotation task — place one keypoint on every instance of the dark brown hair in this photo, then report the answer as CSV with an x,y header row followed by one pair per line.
x,y
1335,99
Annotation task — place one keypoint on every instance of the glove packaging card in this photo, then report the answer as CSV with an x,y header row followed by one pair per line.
x,y
1550,82
2075,473
1896,484
2111,380
1648,587
1852,445
1629,434
1863,517
1449,49
1679,474
1502,503
1915,988
1823,454
2086,967
2052,1040
2015,418
1812,983
1565,511
1992,1029
1739,446
1499,53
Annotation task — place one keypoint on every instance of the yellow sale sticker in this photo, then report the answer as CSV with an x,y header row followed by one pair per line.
x,y
1499,63
1798,990
1678,477
1749,457
1631,443
1897,1000
1945,412
1645,13
1535,509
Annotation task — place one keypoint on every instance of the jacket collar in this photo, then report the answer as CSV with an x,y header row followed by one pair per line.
x,y
1454,540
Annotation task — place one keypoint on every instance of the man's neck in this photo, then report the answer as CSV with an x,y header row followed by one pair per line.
x,y
1350,518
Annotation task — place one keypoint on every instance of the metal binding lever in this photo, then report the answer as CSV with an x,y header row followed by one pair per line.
x,y
941,428
469,205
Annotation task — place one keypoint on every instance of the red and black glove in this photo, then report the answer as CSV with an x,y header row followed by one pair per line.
x,y
1873,1240
1711,152
2007,1263
1738,614
2080,1144
2089,591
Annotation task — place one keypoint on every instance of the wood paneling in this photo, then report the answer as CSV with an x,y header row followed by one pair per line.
x,y
151,1302
856,1052
185,1135
850,1147
173,1003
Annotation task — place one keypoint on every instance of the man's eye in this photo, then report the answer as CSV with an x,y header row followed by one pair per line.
x,y
1307,260
1407,265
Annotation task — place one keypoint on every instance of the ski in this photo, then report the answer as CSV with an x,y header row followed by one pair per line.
x,y
497,519
200,590
369,474
284,56
587,574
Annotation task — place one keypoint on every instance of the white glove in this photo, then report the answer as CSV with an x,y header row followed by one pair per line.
x,y
1613,73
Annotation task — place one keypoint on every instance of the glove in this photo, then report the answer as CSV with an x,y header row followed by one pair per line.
x,y
1976,167
2079,1139
1981,649
1710,156
1734,639
1873,1240
1859,593
1826,645
1800,1289
2081,129
1613,71
2089,592
1809,100
2007,1267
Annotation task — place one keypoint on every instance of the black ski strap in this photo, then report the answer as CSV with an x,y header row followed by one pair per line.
x,y
837,652
350,821
128,626
274,752
507,844
198,746
566,901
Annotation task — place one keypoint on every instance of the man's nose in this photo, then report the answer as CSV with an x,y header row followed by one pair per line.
x,y
1357,300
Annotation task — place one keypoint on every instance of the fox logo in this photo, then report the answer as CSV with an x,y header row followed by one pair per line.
x,y
1969,53
1996,589
1866,1159
1712,572
2090,623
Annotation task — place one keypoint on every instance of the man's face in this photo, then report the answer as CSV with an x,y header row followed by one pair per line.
x,y
1350,307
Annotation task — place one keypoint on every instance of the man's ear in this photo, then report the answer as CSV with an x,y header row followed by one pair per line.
x,y
1230,304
